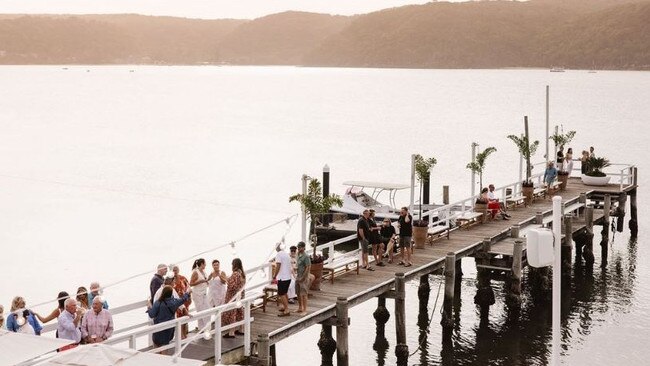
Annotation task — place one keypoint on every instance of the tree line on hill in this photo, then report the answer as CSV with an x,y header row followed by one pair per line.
x,y
603,34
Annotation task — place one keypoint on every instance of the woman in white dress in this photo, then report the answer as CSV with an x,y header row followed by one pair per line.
x,y
199,282
217,285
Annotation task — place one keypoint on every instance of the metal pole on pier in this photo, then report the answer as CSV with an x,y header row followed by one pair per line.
x,y
547,125
557,277
303,232
412,183
474,146
326,180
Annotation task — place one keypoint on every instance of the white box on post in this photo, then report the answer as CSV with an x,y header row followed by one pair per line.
x,y
539,247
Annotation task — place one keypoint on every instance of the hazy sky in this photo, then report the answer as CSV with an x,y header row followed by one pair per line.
x,y
199,8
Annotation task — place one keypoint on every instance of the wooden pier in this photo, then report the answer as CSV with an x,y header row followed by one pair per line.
x,y
496,245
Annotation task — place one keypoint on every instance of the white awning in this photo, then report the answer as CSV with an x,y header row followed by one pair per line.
x,y
104,355
16,348
378,185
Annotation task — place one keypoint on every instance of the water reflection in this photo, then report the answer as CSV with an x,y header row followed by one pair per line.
x,y
507,336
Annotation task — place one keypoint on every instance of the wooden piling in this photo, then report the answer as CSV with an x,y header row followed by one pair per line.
x,y
582,199
381,316
588,247
633,224
327,345
263,350
401,348
458,279
620,212
604,241
342,357
514,230
423,291
484,294
447,320
567,245
513,296
539,218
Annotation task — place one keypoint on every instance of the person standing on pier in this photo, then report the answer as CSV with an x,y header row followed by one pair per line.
x,y
293,252
363,234
560,156
549,176
302,281
199,283
217,285
235,291
375,240
69,326
97,324
96,290
405,233
181,286
157,280
282,273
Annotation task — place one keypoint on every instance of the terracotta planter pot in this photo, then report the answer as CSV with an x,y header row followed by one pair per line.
x,y
420,236
528,193
563,178
317,270
481,208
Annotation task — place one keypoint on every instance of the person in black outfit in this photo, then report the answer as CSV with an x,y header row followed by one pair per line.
x,y
405,233
363,234
560,156
387,237
375,240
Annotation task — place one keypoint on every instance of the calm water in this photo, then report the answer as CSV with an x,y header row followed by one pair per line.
x,y
105,172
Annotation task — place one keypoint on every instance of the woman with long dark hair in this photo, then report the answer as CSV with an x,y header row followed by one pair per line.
x,y
199,283
61,297
235,291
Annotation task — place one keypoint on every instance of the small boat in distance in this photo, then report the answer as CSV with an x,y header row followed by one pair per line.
x,y
557,69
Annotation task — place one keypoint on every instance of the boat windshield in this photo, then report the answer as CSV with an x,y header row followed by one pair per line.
x,y
377,189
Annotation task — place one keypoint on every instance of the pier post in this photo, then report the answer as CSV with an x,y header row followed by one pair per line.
x,y
539,217
263,349
445,195
459,278
327,217
583,200
633,224
620,212
588,249
401,348
423,291
381,316
342,331
484,295
513,297
447,320
566,245
514,230
327,345
426,189
604,241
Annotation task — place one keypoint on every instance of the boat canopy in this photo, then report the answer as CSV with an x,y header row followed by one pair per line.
x,y
377,188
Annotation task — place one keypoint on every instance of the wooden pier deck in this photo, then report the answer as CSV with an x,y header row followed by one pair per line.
x,y
366,285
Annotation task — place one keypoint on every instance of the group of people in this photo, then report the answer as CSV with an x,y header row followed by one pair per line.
x,y
171,296
292,274
494,205
381,240
82,319
563,164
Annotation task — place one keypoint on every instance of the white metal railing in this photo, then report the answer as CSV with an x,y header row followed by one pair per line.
x,y
332,244
178,343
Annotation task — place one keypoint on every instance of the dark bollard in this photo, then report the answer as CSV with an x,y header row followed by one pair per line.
x,y
327,346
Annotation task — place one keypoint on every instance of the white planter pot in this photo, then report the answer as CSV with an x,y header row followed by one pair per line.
x,y
595,181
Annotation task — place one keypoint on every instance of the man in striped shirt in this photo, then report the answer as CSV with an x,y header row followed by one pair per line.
x,y
97,324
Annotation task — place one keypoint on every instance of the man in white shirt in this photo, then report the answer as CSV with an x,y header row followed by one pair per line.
x,y
70,321
282,274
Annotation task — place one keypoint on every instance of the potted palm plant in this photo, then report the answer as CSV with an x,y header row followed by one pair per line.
x,y
478,165
315,206
526,149
562,139
594,175
423,168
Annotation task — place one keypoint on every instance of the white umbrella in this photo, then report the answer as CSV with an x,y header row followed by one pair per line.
x,y
104,355
18,347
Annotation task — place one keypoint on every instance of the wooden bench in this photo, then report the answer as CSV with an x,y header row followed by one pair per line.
x,y
270,293
341,265
539,192
514,201
438,231
468,218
